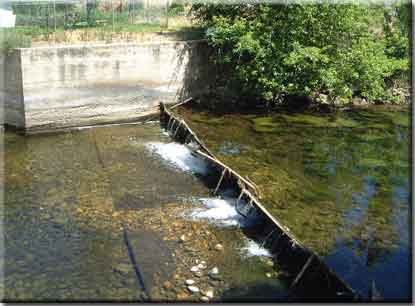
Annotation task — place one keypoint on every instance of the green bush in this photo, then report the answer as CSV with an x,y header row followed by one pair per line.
x,y
11,38
308,49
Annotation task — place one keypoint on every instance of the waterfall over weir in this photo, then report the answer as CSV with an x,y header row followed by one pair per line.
x,y
312,277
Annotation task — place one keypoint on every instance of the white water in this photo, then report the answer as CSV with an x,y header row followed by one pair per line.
x,y
222,212
219,211
179,156
254,249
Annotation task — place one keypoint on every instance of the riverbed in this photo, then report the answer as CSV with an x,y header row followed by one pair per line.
x,y
340,182
122,213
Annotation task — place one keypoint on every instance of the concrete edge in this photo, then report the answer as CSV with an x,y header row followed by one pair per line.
x,y
100,45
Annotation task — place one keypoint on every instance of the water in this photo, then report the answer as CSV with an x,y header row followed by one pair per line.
x,y
341,183
74,202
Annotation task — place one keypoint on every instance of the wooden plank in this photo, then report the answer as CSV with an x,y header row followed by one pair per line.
x,y
230,170
301,273
220,181
181,103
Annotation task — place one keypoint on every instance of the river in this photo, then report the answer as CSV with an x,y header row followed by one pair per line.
x,y
340,182
122,213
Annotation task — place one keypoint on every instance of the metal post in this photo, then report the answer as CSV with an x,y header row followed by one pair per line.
x,y
112,5
54,16
167,14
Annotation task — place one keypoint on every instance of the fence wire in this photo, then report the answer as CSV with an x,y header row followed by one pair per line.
x,y
52,15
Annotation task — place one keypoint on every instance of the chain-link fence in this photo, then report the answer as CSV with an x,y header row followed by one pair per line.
x,y
52,15
80,21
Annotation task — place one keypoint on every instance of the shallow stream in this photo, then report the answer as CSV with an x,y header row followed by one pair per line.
x,y
122,213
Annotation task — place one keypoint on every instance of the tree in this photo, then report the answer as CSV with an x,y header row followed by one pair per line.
x,y
306,49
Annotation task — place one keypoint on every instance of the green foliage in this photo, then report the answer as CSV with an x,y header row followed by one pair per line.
x,y
10,39
309,49
175,9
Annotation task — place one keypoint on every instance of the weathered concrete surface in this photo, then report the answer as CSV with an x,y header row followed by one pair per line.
x,y
55,87
11,91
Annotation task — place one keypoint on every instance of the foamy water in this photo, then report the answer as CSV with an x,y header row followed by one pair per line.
x,y
252,248
179,156
222,212
219,211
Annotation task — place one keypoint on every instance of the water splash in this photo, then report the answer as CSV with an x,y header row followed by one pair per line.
x,y
254,249
222,212
179,156
219,211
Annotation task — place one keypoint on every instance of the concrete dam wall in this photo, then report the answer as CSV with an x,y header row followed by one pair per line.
x,y
57,87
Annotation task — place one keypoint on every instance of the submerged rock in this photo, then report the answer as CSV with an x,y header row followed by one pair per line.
x,y
190,282
193,289
219,247
167,285
214,271
208,293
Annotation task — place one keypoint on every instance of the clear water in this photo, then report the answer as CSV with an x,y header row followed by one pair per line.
x,y
340,182
70,198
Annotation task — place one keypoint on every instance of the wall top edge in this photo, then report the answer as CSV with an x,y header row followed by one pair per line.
x,y
81,46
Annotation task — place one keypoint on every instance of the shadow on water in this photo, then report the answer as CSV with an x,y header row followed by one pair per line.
x,y
255,292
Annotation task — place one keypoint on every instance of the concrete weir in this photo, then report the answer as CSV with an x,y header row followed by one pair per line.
x,y
311,277
54,87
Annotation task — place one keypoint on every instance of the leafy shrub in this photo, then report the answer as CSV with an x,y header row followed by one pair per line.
x,y
10,39
307,49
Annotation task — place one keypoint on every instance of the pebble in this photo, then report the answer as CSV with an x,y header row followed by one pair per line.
x,y
190,281
193,289
182,238
181,296
269,263
209,293
268,274
204,299
194,269
198,274
214,271
167,285
201,266
219,247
